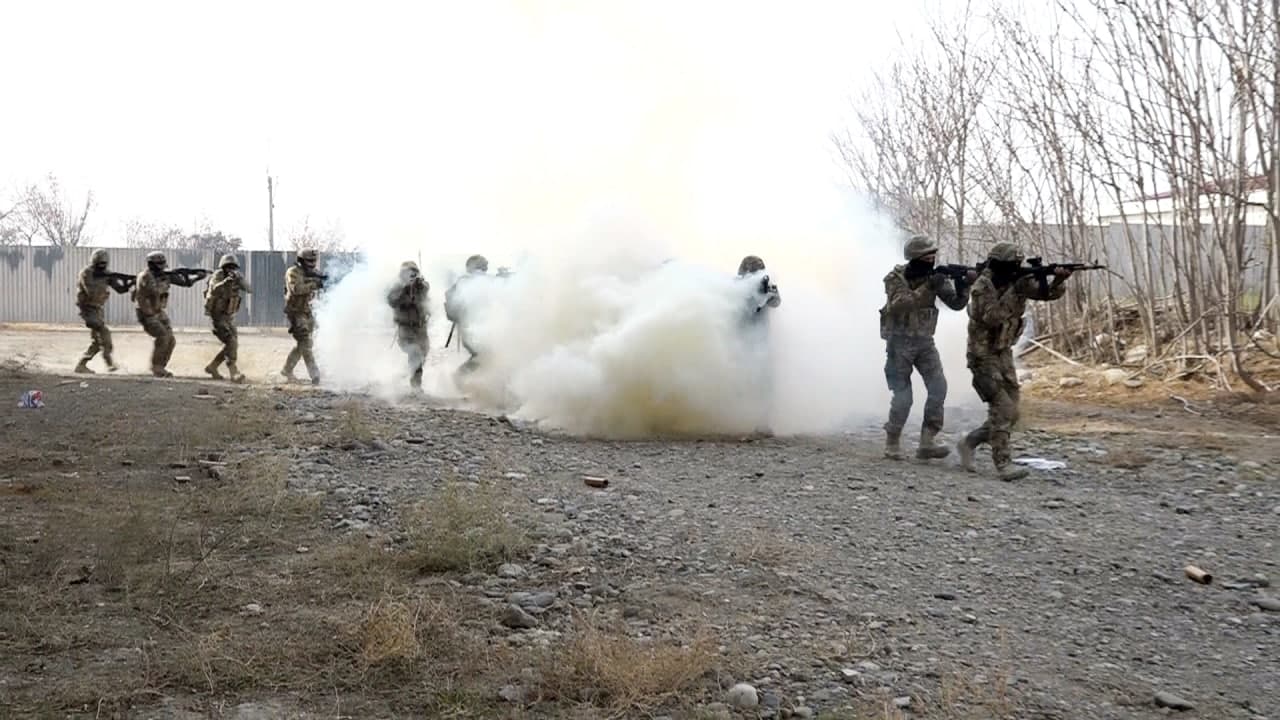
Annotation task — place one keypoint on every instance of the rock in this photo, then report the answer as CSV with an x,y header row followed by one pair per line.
x,y
512,694
252,609
515,617
1263,602
802,712
1169,700
902,703
945,595
1115,376
715,711
742,696
1133,383
510,571
1070,382
259,711
1136,355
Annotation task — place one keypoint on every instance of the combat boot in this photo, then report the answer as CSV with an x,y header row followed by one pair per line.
x,y
111,365
235,374
928,450
83,366
161,372
893,446
965,450
212,369
1010,472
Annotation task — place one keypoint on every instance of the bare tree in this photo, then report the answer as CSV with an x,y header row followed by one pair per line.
x,y
330,239
51,217
142,234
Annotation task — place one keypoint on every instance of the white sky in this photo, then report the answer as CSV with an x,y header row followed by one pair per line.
x,y
416,121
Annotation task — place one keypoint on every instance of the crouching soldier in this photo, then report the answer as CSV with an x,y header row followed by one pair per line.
x,y
408,301
996,306
221,303
92,291
908,321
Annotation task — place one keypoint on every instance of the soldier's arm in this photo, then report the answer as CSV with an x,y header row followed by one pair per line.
x,y
775,297
901,298
1029,287
299,284
953,294
223,282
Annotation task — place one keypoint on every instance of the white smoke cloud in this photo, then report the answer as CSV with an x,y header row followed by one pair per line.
x,y
609,168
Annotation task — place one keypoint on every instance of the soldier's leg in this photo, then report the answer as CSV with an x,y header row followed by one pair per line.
x,y
295,354
929,363
1001,452
165,343
220,333
897,375
986,385
417,358
92,321
304,346
231,349
108,350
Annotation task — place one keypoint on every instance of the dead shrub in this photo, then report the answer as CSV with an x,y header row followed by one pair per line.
x,y
463,527
389,632
626,672
1127,459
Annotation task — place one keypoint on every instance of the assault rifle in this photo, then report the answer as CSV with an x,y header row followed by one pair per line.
x,y
452,327
1035,268
186,277
120,282
318,276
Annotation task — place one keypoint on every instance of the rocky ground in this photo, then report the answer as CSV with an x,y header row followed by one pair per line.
x,y
831,582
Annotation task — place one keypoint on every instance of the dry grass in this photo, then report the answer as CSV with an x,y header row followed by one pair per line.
x,y
1127,458
464,527
621,672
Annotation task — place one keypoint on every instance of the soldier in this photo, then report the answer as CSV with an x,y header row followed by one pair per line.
x,y
221,303
92,290
456,311
301,283
766,295
996,306
408,301
907,324
151,293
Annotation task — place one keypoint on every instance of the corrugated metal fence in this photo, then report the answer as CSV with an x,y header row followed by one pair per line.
x,y
38,285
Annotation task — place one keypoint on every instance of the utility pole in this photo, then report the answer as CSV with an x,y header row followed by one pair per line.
x,y
271,215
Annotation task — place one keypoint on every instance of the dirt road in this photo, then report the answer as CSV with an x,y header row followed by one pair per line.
x,y
185,549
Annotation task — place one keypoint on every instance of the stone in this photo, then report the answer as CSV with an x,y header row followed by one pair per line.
x,y
902,703
802,711
252,609
1171,701
1263,602
1136,355
1114,376
742,696
1070,382
716,711
510,571
514,616
512,694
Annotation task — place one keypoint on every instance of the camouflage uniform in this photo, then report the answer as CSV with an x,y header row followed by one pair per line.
x,y
408,301
995,322
92,291
908,321
299,289
455,310
221,303
151,293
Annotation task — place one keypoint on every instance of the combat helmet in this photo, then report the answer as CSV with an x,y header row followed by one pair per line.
x,y
156,257
308,255
229,260
750,264
477,263
1005,252
99,257
410,268
919,246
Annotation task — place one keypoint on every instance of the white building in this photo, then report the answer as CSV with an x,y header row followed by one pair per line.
x,y
1161,208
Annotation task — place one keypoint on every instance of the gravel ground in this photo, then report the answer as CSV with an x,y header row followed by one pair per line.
x,y
853,581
